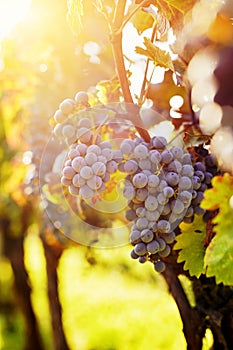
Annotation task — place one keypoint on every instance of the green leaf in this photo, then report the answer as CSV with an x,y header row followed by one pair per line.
x,y
74,15
154,53
190,241
219,253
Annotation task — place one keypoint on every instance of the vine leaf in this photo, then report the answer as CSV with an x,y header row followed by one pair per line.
x,y
154,53
74,15
181,5
142,21
190,244
219,254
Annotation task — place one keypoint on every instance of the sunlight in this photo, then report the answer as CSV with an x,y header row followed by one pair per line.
x,y
11,13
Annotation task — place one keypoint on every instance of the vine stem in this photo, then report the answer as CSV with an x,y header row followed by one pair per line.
x,y
193,323
116,40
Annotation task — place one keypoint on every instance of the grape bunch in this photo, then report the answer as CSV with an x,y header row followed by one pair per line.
x,y
159,190
63,129
90,162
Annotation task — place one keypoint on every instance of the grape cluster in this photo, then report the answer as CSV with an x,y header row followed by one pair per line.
x,y
159,190
63,129
90,162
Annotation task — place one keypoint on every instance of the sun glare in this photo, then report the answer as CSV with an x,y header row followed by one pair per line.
x,y
11,13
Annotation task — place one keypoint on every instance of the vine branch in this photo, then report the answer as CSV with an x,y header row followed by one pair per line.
x,y
191,318
116,40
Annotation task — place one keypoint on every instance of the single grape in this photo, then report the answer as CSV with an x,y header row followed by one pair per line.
x,y
95,182
153,180
169,237
117,155
73,153
91,158
147,235
164,226
84,123
185,197
159,142
73,190
162,243
151,203
68,172
165,252
107,153
78,180
141,151
65,181
130,166
81,97
144,164
200,174
187,170
59,116
159,266
203,187
200,166
185,183
140,180
166,209
84,135
140,249
141,194
177,152
199,211
130,215
142,259
94,149
168,192
99,169
86,192
153,247
152,216
187,159
67,106
208,178
162,185
196,182
129,191
111,166
155,156
102,159
162,200
58,130
140,212
82,148
133,254
189,212
105,144
172,178
78,163
142,223
198,199
135,237
166,157
86,172
126,147
177,206
175,166
68,131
